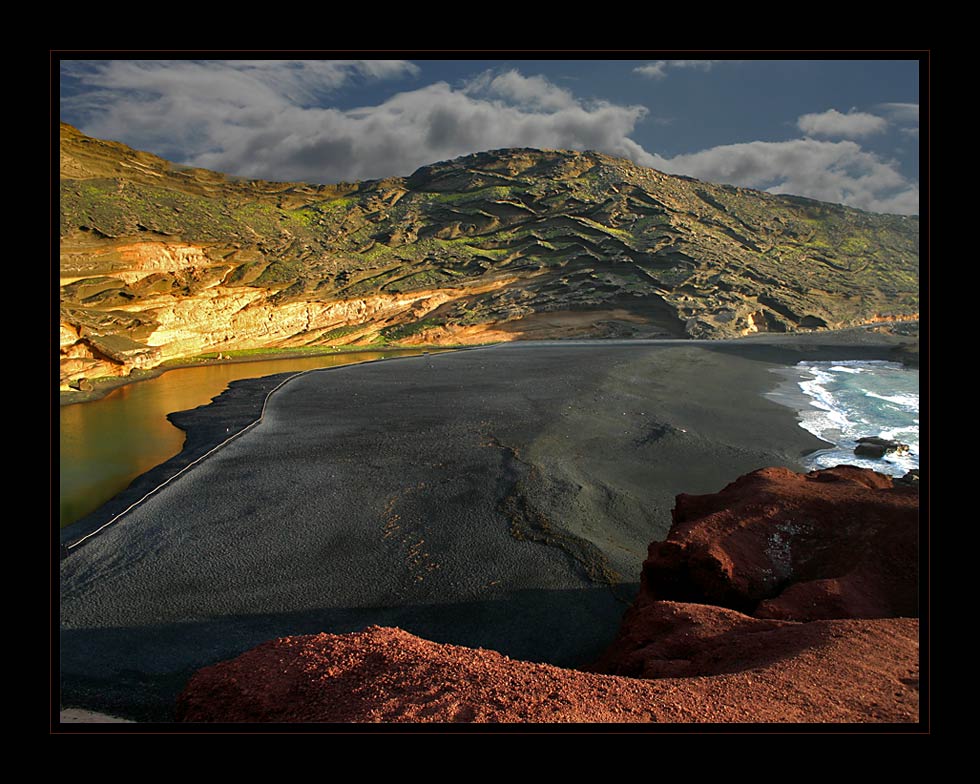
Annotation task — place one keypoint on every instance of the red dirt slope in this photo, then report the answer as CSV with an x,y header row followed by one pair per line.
x,y
826,562
825,671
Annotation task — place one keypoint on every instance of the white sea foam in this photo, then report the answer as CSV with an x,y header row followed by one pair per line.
x,y
851,399
908,401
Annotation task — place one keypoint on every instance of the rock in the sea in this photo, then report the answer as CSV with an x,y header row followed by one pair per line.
x,y
875,447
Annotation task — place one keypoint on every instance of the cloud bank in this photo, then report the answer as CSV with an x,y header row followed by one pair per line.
x,y
901,113
839,172
658,68
852,125
272,120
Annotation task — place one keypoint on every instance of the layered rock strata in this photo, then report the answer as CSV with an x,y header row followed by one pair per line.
x,y
160,262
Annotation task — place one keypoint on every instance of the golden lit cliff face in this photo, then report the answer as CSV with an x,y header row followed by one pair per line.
x,y
182,308
160,262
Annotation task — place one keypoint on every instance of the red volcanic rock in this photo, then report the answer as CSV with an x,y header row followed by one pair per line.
x,y
661,639
793,549
825,671
839,543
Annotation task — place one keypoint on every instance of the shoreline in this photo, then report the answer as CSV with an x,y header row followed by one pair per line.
x,y
109,443
204,427
841,426
425,480
201,436
107,384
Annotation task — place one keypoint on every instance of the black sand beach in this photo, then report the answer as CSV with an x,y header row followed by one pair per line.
x,y
501,497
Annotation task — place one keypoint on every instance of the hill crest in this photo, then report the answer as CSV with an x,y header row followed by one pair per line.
x,y
161,261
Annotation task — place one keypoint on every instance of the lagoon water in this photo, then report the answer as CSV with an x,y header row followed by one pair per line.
x,y
107,443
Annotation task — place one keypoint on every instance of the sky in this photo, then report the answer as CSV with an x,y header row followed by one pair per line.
x,y
843,131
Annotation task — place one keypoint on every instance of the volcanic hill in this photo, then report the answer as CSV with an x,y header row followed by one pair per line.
x,y
163,262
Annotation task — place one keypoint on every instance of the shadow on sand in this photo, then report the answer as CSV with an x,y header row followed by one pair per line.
x,y
137,672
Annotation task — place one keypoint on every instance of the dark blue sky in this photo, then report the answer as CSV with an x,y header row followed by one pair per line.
x,y
838,130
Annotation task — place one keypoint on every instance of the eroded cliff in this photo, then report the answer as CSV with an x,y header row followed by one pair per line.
x,y
160,262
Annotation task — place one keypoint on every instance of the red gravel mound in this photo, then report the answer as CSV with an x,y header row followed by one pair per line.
x,y
839,543
826,671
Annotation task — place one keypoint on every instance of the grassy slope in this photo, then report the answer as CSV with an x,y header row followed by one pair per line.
x,y
570,231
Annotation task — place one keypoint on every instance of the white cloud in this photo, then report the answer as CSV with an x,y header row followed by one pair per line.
x,y
177,106
905,115
839,172
854,124
700,65
530,91
255,122
268,120
658,69
901,113
296,81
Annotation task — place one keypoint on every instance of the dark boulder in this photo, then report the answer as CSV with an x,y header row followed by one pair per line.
x,y
911,479
875,447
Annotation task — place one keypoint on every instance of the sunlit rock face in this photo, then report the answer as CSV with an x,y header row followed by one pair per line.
x,y
501,245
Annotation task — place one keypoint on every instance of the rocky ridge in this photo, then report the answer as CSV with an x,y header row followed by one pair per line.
x,y
161,262
774,545
822,565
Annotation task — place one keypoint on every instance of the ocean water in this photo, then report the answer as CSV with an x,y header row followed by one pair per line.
x,y
848,400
